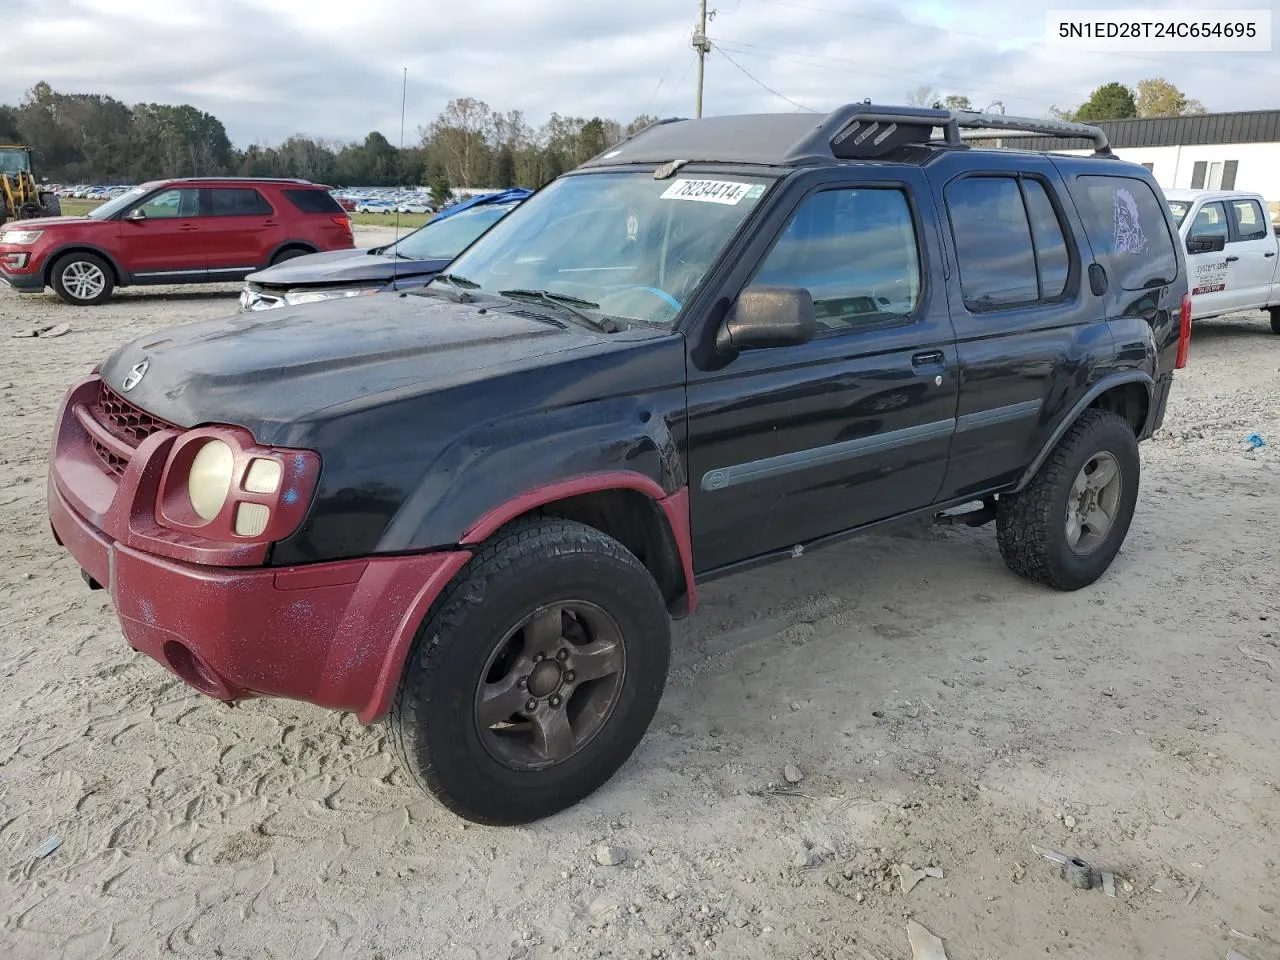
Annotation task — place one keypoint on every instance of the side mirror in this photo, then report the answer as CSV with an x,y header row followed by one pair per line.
x,y
137,215
769,317
1206,244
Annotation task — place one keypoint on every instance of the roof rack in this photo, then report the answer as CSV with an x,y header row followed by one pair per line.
x,y
982,126
856,131
248,179
865,130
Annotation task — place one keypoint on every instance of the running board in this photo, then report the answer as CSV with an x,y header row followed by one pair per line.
x,y
977,517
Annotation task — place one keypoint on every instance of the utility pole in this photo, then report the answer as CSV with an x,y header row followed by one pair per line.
x,y
703,46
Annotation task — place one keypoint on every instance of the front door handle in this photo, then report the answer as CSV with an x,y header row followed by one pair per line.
x,y
930,358
1232,259
188,227
1269,253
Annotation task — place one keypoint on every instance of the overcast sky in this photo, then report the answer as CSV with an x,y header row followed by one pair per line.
x,y
271,68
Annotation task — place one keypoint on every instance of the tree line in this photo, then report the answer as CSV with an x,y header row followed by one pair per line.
x,y
1153,97
91,138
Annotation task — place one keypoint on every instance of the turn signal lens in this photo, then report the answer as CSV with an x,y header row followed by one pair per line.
x,y
263,476
251,519
209,481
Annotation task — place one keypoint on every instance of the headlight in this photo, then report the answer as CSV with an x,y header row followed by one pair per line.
x,y
21,238
209,481
295,297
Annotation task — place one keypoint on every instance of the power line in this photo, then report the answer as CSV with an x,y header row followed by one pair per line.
x,y
994,36
760,82
676,89
860,69
663,79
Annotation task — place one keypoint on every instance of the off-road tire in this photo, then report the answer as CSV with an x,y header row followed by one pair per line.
x,y
433,726
1275,319
52,204
1031,524
60,277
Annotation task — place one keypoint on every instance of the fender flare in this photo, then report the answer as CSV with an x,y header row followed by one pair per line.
x,y
51,258
674,507
1093,393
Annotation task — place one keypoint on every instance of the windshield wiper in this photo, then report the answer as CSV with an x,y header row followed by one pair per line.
x,y
567,303
460,284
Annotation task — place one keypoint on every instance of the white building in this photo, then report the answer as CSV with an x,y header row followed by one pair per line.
x,y
1214,151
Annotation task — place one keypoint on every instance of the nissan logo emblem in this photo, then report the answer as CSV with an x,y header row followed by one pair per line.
x,y
135,375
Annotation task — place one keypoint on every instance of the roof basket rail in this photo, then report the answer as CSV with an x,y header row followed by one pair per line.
x,y
861,131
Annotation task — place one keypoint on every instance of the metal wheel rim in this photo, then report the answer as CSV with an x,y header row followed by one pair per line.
x,y
551,685
83,280
1093,503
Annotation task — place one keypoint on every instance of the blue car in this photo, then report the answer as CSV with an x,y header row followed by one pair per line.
x,y
409,262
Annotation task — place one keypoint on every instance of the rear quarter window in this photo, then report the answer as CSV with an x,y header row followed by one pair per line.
x,y
1126,225
313,201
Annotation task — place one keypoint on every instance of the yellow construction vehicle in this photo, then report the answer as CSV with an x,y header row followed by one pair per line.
x,y
20,195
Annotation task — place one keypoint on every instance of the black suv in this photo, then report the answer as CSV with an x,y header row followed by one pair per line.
x,y
473,508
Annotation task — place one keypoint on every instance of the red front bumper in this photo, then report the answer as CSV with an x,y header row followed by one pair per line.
x,y
333,634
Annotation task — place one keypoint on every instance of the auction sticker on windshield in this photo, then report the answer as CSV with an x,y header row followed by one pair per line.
x,y
712,191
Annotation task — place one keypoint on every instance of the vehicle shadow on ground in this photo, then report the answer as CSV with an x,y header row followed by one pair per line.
x,y
1230,328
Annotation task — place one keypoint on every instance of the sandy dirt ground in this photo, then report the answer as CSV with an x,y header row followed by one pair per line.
x,y
942,712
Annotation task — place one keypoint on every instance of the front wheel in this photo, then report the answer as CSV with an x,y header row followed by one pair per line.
x,y
1275,319
83,279
1065,528
536,675
52,205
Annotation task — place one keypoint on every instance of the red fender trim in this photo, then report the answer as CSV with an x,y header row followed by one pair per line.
x,y
675,506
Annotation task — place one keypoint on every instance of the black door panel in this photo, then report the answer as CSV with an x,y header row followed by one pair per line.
x,y
790,444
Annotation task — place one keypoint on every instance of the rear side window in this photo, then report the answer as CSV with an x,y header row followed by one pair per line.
x,y
1249,221
314,201
1009,241
1127,228
238,202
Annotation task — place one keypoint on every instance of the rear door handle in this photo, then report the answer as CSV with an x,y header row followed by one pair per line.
x,y
188,227
1232,259
1269,253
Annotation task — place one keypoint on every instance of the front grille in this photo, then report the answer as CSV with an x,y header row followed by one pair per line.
x,y
113,463
123,421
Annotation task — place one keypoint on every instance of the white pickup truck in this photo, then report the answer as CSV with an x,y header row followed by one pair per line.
x,y
1233,251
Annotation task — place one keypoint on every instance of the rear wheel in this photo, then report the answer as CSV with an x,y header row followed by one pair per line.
x,y
52,205
289,253
536,676
83,279
1275,319
1066,527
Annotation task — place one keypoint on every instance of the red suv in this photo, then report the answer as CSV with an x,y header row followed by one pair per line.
x,y
210,230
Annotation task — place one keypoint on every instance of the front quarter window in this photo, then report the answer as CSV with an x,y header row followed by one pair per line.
x,y
634,247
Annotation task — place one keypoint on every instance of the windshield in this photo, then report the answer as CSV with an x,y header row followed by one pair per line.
x,y
624,243
444,239
1179,210
112,207
14,161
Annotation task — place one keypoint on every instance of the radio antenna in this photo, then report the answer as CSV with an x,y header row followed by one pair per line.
x,y
404,94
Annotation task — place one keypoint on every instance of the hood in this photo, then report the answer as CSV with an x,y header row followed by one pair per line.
x,y
50,223
267,371
341,267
